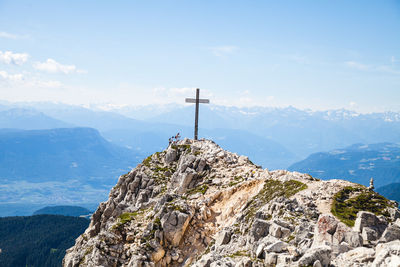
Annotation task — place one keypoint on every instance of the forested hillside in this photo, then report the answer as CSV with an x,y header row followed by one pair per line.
x,y
39,240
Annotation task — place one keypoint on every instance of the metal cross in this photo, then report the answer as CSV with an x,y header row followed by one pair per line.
x,y
197,100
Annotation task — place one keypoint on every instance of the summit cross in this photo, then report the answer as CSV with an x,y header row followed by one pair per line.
x,y
197,100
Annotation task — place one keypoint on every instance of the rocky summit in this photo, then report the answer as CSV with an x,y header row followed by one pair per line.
x,y
195,204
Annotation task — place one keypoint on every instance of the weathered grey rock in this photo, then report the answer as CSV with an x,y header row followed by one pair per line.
x,y
260,229
276,247
326,228
284,260
205,261
368,219
340,233
360,256
260,253
317,263
369,234
271,259
354,239
321,253
223,238
387,254
278,231
171,155
391,233
344,247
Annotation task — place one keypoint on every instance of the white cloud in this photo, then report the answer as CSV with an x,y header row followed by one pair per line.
x,y
10,77
12,36
28,81
9,57
224,50
52,66
373,68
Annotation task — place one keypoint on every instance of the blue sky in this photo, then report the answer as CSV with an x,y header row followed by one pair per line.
x,y
308,54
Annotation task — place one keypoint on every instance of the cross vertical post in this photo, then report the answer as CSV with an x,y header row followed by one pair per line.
x,y
196,115
197,101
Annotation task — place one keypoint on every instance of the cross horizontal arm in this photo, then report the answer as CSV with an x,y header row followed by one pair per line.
x,y
193,100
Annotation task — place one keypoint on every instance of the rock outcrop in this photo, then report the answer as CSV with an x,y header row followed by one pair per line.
x,y
196,204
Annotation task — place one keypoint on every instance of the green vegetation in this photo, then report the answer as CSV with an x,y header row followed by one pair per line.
x,y
273,189
182,148
126,217
146,161
238,179
350,200
39,240
199,189
239,253
173,206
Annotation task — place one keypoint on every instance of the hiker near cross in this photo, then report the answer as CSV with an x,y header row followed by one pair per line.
x,y
197,100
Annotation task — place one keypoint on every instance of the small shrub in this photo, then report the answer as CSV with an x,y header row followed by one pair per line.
x,y
350,200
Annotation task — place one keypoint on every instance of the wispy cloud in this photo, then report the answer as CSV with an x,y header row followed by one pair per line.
x,y
372,68
9,57
10,77
12,36
52,66
223,50
27,81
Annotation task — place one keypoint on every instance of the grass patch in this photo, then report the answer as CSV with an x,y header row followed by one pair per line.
x,y
172,206
146,161
127,217
350,200
237,179
273,189
182,147
200,189
240,253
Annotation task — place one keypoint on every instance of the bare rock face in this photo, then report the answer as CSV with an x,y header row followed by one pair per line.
x,y
195,204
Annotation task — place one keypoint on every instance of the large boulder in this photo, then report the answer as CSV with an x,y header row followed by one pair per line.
x,y
260,229
387,254
391,233
325,229
370,220
360,256
174,225
321,253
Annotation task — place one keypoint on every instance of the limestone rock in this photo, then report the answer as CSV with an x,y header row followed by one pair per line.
x,y
195,204
260,228
321,253
391,233
223,238
356,257
368,219
174,225
387,254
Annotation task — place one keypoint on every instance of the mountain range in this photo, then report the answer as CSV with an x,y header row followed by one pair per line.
x,y
356,163
58,166
54,153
